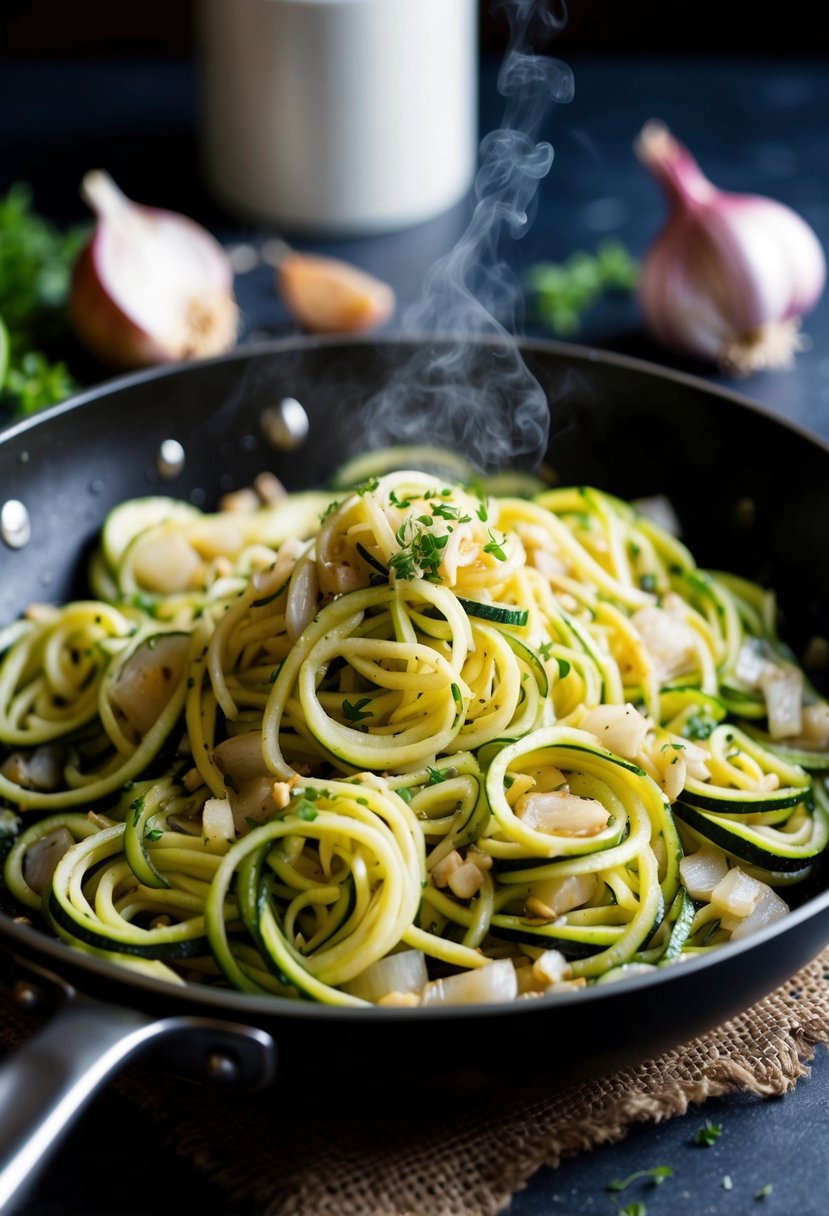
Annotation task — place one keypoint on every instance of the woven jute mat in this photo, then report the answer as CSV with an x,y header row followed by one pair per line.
x,y
390,1164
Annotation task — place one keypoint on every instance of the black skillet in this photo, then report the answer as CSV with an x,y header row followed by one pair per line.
x,y
752,494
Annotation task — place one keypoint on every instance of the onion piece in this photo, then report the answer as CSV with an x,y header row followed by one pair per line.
x,y
401,972
619,728
149,678
41,859
560,895
702,871
240,757
737,893
561,813
782,688
768,909
218,828
486,985
151,286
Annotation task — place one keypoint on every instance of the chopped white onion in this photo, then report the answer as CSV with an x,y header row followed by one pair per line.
x,y
560,813
619,728
149,678
301,605
768,909
485,986
240,756
702,871
561,895
401,972
218,828
167,563
669,642
41,859
660,511
783,694
752,662
737,893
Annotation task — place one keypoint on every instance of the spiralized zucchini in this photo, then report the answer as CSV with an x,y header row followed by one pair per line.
x,y
411,743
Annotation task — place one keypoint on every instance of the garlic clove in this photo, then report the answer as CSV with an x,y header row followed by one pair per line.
x,y
327,295
730,276
151,286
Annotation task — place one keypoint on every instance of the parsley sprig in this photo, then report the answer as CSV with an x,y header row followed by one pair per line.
x,y
36,261
562,292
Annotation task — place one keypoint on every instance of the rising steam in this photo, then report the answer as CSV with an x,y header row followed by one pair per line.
x,y
469,394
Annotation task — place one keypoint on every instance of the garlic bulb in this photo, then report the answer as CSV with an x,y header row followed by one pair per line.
x,y
329,296
151,286
730,276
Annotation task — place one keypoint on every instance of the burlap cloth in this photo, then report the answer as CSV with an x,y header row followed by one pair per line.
x,y
440,1165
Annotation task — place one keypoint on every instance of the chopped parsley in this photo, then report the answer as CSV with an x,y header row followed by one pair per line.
x,y
420,557
708,1135
435,775
495,547
357,712
656,1174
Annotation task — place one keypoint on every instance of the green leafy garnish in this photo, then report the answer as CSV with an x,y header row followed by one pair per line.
x,y
562,292
36,262
357,712
764,1191
708,1135
656,1174
495,547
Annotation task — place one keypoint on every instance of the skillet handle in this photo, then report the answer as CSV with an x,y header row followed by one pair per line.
x,y
47,1082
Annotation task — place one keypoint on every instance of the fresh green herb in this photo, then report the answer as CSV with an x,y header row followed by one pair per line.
x,y
457,698
764,1191
444,510
563,668
36,262
563,292
404,793
357,712
698,727
307,811
137,807
368,486
154,834
419,557
545,650
656,1174
708,1135
402,503
482,513
495,547
637,1208
676,747
329,510
435,775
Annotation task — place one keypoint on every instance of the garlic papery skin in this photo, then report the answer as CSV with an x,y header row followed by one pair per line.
x,y
730,276
151,286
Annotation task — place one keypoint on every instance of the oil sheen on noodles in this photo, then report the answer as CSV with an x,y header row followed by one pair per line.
x,y
411,742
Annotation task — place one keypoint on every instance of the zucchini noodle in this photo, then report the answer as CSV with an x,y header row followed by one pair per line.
x,y
411,742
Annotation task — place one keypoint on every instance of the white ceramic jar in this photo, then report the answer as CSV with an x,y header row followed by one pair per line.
x,y
339,117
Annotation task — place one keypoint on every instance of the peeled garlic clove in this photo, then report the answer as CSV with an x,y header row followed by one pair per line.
x,y
327,295
151,286
730,276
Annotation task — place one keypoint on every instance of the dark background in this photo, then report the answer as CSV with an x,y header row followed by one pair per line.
x,y
165,27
